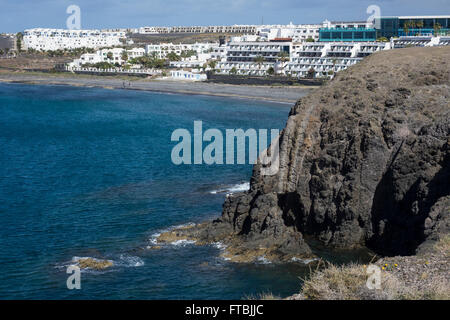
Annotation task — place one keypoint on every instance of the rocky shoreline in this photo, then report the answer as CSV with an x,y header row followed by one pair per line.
x,y
364,162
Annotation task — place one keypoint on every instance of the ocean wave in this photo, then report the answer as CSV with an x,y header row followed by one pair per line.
x,y
123,260
153,241
304,261
130,261
182,243
262,260
241,187
219,245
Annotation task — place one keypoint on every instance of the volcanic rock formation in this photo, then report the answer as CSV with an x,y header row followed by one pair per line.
x,y
364,161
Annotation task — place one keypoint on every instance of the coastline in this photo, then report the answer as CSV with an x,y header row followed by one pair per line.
x,y
273,94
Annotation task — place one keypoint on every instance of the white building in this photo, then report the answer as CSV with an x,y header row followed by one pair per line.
x,y
163,49
110,55
219,53
420,41
182,75
60,39
253,58
197,61
298,33
347,24
244,29
326,58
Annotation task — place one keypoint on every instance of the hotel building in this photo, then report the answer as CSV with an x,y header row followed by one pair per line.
x,y
388,27
163,49
110,55
413,25
324,59
244,29
243,57
297,33
60,39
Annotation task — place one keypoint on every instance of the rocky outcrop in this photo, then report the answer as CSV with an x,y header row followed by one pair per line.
x,y
364,161
95,264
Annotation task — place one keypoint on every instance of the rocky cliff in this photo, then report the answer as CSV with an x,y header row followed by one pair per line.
x,y
364,161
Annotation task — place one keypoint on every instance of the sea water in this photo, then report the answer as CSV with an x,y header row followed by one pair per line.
x,y
87,172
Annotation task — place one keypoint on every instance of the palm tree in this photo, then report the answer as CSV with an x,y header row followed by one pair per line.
x,y
311,73
406,27
233,70
419,24
212,64
172,56
19,37
1,52
412,25
437,27
124,56
259,60
109,55
283,57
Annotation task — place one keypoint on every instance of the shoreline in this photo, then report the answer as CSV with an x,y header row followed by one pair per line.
x,y
272,94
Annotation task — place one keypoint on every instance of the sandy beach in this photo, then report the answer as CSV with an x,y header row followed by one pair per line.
x,y
279,94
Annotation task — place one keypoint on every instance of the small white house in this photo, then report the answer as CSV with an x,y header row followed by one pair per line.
x,y
187,76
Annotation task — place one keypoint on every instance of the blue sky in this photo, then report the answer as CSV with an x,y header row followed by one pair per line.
x,y
16,15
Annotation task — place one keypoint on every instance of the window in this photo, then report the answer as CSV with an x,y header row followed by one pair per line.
x,y
347,35
336,35
359,35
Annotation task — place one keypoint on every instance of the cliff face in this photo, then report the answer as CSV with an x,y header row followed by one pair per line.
x,y
364,160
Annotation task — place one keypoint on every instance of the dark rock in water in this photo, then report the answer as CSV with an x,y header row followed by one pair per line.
x,y
367,167
96,264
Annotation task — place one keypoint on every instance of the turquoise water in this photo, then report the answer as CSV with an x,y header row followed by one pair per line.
x,y
87,173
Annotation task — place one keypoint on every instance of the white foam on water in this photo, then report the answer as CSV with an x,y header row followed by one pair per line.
x,y
130,261
182,243
75,262
304,261
219,245
184,225
154,237
263,260
233,189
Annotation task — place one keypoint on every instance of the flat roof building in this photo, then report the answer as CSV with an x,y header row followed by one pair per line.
x,y
412,25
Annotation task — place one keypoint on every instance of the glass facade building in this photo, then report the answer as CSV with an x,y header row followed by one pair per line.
x,y
388,27
347,34
411,26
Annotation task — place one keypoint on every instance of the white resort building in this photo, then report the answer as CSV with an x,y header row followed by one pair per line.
x,y
297,33
245,29
110,55
253,58
60,39
163,49
420,41
325,58
183,75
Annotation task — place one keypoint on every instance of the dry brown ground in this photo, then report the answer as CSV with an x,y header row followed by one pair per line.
x,y
31,61
421,277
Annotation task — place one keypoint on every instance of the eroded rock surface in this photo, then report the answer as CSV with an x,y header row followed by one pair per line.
x,y
95,264
364,161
